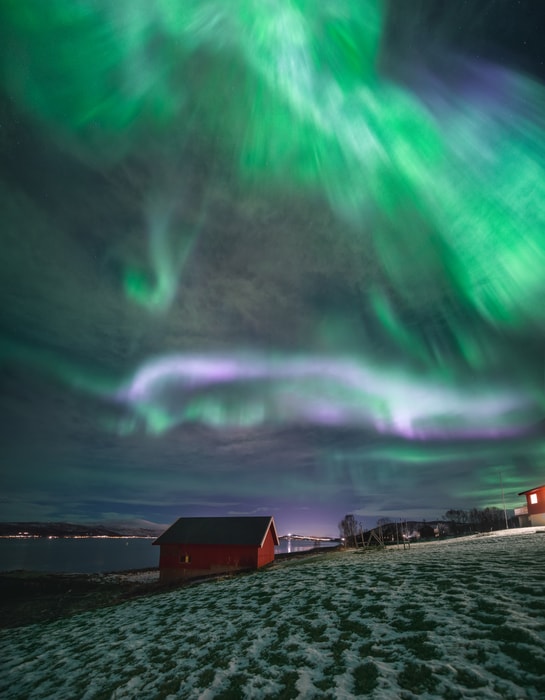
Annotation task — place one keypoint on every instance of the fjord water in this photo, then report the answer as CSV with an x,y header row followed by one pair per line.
x,y
77,555
95,555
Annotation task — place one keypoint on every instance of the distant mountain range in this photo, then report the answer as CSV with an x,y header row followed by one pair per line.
x,y
313,538
30,529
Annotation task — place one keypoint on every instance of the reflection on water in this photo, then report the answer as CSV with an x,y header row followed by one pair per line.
x,y
299,545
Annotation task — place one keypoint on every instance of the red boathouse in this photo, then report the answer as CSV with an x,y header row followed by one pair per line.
x,y
199,546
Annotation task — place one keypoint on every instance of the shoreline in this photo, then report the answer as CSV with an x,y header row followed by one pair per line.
x,y
29,597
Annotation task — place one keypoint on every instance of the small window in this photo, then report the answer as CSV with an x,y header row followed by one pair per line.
x,y
533,498
185,559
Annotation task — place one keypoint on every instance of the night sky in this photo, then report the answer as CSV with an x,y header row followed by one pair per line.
x,y
279,258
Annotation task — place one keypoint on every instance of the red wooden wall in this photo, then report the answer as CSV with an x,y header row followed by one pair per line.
x,y
188,560
265,554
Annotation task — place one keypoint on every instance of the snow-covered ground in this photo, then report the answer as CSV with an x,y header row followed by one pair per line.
x,y
459,619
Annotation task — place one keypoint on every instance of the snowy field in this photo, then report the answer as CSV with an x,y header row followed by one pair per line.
x,y
458,619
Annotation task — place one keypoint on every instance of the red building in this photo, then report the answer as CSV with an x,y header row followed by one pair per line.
x,y
199,546
535,505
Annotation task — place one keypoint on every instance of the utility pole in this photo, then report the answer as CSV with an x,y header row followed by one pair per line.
x,y
503,501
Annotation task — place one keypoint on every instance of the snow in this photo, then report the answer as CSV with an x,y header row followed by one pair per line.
x,y
142,576
459,619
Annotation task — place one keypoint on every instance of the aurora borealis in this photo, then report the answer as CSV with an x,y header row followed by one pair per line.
x,y
271,257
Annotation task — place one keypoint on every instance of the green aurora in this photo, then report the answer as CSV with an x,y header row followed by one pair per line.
x,y
255,257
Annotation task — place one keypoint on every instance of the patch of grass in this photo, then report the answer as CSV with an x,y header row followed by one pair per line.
x,y
269,622
420,646
354,627
504,692
457,608
289,679
366,649
478,634
486,606
138,670
234,689
469,679
167,663
402,624
239,633
505,633
219,658
477,655
419,622
525,657
417,678
488,619
206,677
337,649
263,597
328,604
169,686
157,655
275,657
505,672
525,590
365,678
443,585
283,631
328,681
315,632
376,610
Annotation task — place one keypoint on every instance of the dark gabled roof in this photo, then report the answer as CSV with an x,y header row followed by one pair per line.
x,y
236,531
536,488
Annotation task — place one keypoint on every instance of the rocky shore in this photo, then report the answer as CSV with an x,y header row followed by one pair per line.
x,y
27,597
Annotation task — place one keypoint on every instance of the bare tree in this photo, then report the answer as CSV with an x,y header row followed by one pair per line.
x,y
381,522
349,528
458,520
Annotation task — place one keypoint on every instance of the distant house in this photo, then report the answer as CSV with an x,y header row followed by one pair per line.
x,y
427,531
200,546
535,507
